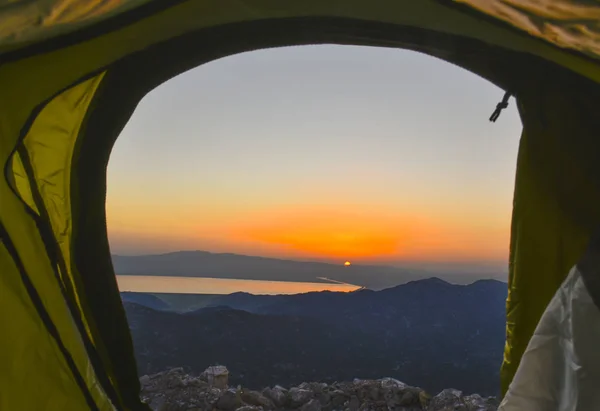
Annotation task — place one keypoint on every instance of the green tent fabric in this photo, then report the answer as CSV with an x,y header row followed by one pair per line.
x,y
72,72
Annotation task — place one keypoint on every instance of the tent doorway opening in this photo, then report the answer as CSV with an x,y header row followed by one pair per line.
x,y
282,165
72,76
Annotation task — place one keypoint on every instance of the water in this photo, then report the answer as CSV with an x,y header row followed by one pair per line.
x,y
197,285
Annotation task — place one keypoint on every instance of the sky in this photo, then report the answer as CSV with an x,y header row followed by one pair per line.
x,y
325,153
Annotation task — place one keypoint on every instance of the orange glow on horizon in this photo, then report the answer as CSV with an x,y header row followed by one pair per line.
x,y
328,233
347,263
359,233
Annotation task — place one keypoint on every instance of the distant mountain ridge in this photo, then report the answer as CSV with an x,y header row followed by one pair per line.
x,y
234,266
429,331
145,299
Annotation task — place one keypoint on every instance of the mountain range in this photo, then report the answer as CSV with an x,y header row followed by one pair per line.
x,y
429,332
234,266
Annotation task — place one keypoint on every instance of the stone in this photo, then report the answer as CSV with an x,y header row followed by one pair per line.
x,y
257,399
323,397
158,403
392,391
300,396
249,408
392,382
381,404
366,406
447,400
278,395
338,398
229,401
392,397
374,392
314,387
174,390
312,405
424,399
211,396
409,397
476,403
197,382
217,376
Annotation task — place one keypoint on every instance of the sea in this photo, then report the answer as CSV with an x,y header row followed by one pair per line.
x,y
203,285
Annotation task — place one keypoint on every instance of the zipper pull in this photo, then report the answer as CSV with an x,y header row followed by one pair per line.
x,y
499,107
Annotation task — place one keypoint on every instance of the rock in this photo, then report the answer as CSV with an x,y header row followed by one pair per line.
x,y
278,395
392,391
354,403
338,398
217,376
300,396
145,380
312,405
381,405
366,406
323,397
196,382
392,382
374,392
211,396
409,397
229,401
447,400
174,390
158,404
424,399
315,387
257,399
476,403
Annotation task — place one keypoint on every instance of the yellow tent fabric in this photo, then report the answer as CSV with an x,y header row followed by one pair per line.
x,y
72,72
556,201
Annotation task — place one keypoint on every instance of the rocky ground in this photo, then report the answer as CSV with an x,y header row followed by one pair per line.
x,y
174,390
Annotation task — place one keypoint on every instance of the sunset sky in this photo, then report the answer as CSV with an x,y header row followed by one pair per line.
x,y
328,153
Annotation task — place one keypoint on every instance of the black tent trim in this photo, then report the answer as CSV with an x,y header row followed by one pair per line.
x,y
53,252
127,81
57,260
116,99
45,317
87,33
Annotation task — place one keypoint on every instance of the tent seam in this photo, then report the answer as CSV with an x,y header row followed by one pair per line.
x,y
87,33
57,260
46,319
39,220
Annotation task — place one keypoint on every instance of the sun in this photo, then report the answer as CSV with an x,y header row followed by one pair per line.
x,y
347,263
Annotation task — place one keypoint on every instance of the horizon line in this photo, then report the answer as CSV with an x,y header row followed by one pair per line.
x,y
501,265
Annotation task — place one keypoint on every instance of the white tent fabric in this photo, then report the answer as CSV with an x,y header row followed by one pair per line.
x,y
560,370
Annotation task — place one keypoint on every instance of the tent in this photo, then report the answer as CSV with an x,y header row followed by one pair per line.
x,y
72,72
